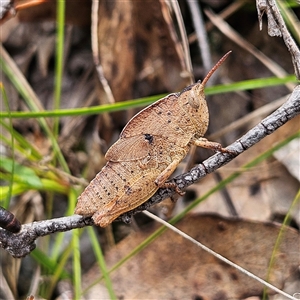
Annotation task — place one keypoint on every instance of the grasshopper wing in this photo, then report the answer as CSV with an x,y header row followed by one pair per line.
x,y
163,118
130,148
145,122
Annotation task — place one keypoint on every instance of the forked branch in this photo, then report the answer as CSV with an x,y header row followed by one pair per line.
x,y
22,243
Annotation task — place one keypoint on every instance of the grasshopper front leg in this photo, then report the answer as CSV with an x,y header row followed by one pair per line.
x,y
204,143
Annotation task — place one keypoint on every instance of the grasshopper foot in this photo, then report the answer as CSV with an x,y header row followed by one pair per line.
x,y
172,185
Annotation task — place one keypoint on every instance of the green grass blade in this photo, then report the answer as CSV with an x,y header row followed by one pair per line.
x,y
59,269
12,146
43,259
141,102
250,84
22,174
285,223
59,63
72,198
27,147
290,19
19,81
76,264
101,262
92,110
46,185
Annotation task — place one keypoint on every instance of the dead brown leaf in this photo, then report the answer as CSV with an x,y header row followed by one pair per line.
x,y
138,54
173,268
137,47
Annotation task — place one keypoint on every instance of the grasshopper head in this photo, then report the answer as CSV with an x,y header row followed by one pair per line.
x,y
196,94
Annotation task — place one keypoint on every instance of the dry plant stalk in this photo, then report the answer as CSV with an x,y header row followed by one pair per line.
x,y
148,151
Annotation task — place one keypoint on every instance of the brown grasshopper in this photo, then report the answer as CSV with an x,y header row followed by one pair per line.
x,y
149,149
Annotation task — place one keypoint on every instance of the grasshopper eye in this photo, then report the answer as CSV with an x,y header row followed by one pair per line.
x,y
193,99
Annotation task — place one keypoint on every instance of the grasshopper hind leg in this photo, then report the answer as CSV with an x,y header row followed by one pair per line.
x,y
160,181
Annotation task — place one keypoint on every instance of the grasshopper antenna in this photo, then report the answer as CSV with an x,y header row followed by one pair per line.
x,y
215,67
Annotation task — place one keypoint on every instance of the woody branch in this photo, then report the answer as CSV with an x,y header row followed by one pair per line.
x,y
22,243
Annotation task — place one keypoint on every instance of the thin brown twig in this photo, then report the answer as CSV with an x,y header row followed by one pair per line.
x,y
185,61
227,12
95,50
256,114
239,40
201,34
